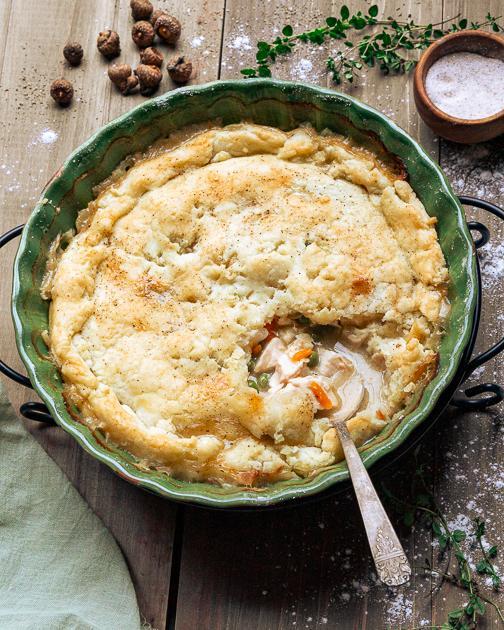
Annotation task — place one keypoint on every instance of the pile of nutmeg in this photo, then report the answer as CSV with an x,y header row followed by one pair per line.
x,y
147,76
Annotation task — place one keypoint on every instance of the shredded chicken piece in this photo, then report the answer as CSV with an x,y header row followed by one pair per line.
x,y
351,394
270,356
330,363
339,376
275,357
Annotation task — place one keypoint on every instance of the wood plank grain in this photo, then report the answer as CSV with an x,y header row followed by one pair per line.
x,y
199,42
303,567
36,137
307,567
5,10
469,459
246,24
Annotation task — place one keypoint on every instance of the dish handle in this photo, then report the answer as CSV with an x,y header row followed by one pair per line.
x,y
472,398
31,410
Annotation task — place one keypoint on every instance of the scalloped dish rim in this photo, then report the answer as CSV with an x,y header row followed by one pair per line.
x,y
370,121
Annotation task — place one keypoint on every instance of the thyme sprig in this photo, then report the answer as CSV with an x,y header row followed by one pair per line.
x,y
485,566
389,48
422,504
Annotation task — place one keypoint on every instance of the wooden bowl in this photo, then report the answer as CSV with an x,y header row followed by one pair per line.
x,y
450,127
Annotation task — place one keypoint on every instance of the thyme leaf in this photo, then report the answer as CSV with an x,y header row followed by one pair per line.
x,y
393,48
421,505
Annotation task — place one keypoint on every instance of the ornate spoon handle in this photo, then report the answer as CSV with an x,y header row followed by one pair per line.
x,y
391,563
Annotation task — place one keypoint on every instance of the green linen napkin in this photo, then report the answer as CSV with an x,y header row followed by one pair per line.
x,y
60,568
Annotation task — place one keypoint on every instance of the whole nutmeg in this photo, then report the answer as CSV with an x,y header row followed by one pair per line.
x,y
108,44
179,69
151,57
73,53
121,77
62,92
168,28
119,72
142,34
155,14
130,85
149,78
141,9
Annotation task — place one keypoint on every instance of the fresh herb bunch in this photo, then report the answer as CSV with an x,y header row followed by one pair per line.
x,y
423,504
389,48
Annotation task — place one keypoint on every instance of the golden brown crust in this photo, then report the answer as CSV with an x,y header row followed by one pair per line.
x,y
179,263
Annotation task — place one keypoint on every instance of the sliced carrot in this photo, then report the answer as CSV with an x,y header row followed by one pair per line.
x,y
380,414
304,353
256,350
321,395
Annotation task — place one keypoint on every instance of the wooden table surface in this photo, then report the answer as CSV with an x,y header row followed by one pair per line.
x,y
299,568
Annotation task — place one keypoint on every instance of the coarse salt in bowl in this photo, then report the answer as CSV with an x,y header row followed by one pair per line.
x,y
459,86
467,85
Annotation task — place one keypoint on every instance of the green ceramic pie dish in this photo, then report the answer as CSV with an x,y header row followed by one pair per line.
x,y
276,103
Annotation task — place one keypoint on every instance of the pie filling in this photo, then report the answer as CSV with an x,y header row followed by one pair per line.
x,y
292,356
231,294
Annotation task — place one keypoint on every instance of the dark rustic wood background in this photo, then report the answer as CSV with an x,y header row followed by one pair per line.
x,y
299,568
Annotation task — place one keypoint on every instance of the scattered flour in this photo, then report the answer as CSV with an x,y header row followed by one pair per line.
x,y
462,522
400,610
492,265
197,41
476,169
46,136
241,42
302,70
478,372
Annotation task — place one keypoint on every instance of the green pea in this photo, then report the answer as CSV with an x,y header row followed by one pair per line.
x,y
313,360
253,383
251,365
304,321
263,381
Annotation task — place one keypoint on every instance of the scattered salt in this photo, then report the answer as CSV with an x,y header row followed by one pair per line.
x,y
466,85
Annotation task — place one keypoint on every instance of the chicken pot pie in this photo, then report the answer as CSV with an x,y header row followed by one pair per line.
x,y
227,297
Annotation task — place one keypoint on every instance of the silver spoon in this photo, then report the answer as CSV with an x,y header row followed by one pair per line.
x,y
391,562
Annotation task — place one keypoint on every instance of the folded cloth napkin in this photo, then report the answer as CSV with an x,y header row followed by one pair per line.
x,y
60,568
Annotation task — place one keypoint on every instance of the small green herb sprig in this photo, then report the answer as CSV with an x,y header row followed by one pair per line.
x,y
423,504
485,566
390,48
